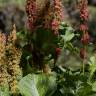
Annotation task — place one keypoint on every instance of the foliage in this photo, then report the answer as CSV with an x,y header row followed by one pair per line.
x,y
73,83
34,63
68,82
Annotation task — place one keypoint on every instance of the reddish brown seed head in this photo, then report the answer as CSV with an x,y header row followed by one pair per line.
x,y
85,38
58,51
84,14
83,53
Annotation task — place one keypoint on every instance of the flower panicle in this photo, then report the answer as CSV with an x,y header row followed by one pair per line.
x,y
13,60
84,13
50,18
3,71
31,11
58,15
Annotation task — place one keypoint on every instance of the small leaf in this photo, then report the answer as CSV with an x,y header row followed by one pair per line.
x,y
28,57
94,86
68,36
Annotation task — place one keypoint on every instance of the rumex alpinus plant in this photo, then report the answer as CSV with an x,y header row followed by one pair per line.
x,y
50,19
84,14
48,38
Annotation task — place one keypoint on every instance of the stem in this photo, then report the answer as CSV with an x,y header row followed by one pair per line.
x,y
83,67
84,60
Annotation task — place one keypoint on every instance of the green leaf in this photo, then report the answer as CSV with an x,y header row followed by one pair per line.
x,y
92,66
37,85
68,36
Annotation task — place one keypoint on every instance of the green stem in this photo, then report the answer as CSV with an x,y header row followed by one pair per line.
x,y
84,61
83,67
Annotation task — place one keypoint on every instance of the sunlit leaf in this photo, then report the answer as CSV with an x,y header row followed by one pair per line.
x,y
37,85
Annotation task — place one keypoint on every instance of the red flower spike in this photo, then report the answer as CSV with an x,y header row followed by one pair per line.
x,y
84,10
84,14
51,18
31,12
58,15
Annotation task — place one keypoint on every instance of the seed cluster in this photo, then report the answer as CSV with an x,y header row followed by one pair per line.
x,y
9,61
58,15
51,17
84,14
3,67
31,12
48,16
13,61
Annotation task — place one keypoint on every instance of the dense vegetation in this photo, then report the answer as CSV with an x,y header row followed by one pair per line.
x,y
50,50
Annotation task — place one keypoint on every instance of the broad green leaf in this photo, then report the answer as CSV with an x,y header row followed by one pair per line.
x,y
37,85
27,86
